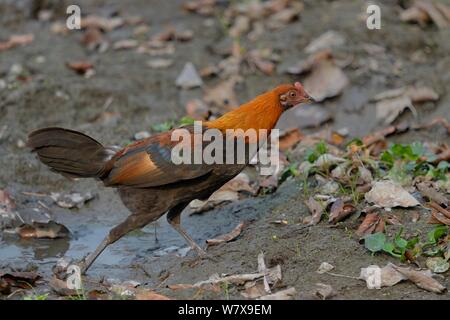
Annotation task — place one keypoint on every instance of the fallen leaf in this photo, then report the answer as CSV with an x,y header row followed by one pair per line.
x,y
327,40
325,267
156,48
388,194
61,288
189,77
5,288
324,291
16,40
228,192
428,191
440,217
388,110
316,210
326,80
340,210
92,37
125,44
150,295
222,95
437,264
39,230
105,24
240,26
254,290
391,103
372,223
287,294
80,67
197,109
159,63
438,14
289,139
377,277
422,279
24,280
233,234
272,277
98,295
71,200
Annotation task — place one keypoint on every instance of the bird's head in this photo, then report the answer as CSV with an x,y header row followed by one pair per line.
x,y
291,95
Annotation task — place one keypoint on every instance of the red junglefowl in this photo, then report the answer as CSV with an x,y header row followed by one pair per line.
x,y
148,181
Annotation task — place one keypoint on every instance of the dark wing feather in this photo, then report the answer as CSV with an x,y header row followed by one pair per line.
x,y
147,163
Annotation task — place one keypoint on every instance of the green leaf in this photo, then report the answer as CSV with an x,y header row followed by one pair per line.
x,y
390,248
186,121
321,148
356,141
434,235
375,242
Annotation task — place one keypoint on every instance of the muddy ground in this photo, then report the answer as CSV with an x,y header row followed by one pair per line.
x,y
56,96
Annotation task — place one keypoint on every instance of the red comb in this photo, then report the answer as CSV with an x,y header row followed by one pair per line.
x,y
298,85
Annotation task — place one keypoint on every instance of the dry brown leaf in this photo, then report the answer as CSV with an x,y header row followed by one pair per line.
x,y
233,234
324,291
159,63
201,7
80,67
327,40
228,192
287,294
439,215
197,109
421,279
5,288
388,194
289,139
388,276
150,295
326,80
340,210
439,18
39,230
16,40
19,279
393,220
125,44
223,95
92,37
388,110
254,290
372,223
272,277
61,288
105,24
316,210
428,191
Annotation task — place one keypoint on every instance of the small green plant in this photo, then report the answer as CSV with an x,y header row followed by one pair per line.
x,y
406,161
314,153
170,124
398,248
35,296
226,291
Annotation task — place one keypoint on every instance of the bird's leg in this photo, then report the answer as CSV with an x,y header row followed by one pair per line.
x,y
131,223
174,217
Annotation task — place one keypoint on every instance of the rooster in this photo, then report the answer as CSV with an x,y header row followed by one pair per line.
x,y
149,183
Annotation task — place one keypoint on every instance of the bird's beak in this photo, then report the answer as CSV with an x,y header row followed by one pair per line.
x,y
309,99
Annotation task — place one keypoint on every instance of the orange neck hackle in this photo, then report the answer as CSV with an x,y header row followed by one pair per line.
x,y
262,112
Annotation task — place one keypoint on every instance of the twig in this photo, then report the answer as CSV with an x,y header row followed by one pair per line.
x,y
342,275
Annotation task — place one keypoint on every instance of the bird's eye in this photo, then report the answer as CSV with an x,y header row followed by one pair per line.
x,y
292,94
